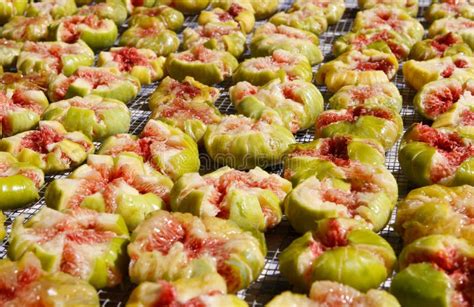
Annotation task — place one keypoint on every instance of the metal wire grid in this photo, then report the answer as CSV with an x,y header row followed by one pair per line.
x,y
269,283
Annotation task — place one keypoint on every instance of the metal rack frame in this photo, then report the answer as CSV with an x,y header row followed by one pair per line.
x,y
269,283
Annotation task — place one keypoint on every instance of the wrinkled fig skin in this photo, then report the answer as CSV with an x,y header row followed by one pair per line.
x,y
169,150
172,19
11,8
461,26
114,10
187,7
281,64
143,64
332,9
434,271
340,251
50,148
419,73
97,33
244,143
425,159
443,45
252,200
100,186
55,8
41,57
410,6
310,18
19,182
436,209
149,33
208,291
292,104
206,66
3,232
21,28
375,95
391,18
97,241
237,255
314,200
29,285
328,293
268,38
371,125
264,8
226,9
210,35
355,67
449,9
96,117
106,82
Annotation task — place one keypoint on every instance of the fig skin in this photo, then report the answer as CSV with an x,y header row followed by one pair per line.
x,y
114,10
264,8
10,9
57,9
187,7
310,18
3,231
446,9
245,15
21,28
462,26
410,6
168,16
333,10
425,50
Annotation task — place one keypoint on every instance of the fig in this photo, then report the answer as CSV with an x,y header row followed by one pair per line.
x,y
462,26
410,6
51,147
149,33
329,293
244,143
442,45
100,81
3,231
238,11
449,9
332,9
385,40
264,8
16,81
223,36
436,155
82,243
390,18
54,58
167,149
19,183
419,73
11,8
20,110
206,291
172,19
114,10
191,117
9,52
268,38
310,18
435,271
339,157
436,209
57,9
122,184
95,116
172,246
374,95
366,67
188,90
21,28
292,104
204,65
97,33
142,64
338,250
131,5
250,199
280,64
187,7
377,123
314,200
437,97
24,283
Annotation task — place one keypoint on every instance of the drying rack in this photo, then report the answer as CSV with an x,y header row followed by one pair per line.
x,y
270,283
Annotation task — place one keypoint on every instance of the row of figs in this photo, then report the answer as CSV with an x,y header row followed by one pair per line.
x,y
136,206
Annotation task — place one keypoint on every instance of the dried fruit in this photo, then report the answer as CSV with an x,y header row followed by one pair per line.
x,y
461,26
239,11
410,6
264,8
309,18
449,8
185,6
109,9
9,51
57,9
172,19
21,28
11,8
332,9
442,45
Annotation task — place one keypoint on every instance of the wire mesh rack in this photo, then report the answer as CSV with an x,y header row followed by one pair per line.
x,y
270,282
